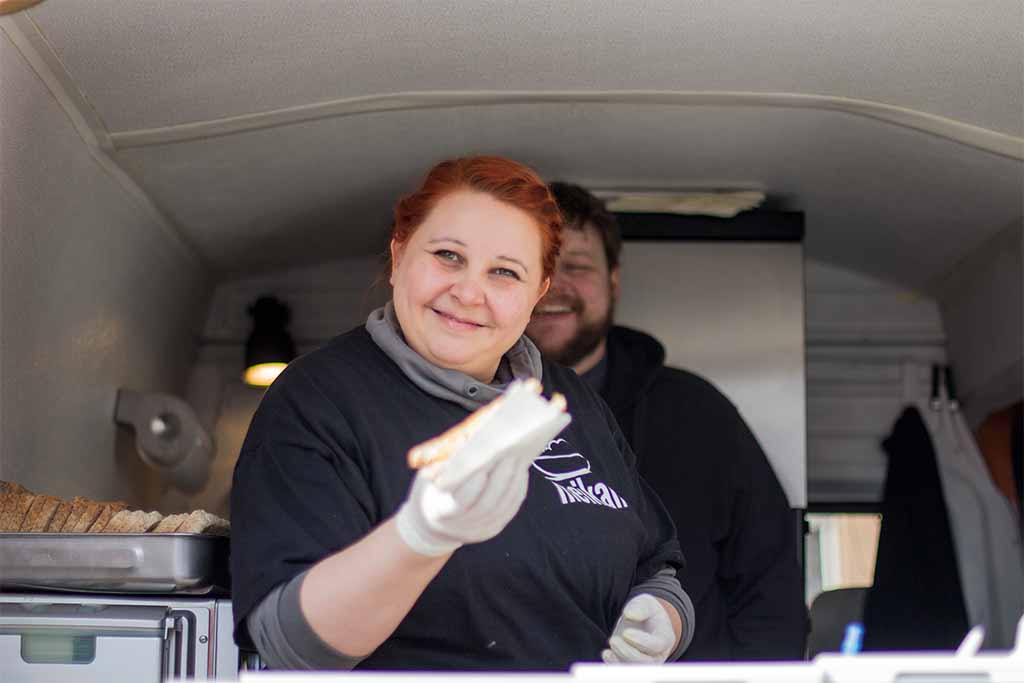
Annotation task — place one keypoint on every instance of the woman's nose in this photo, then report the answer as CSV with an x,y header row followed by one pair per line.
x,y
468,290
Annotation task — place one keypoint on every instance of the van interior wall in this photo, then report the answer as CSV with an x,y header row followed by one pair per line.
x,y
94,297
982,303
860,335
732,312
868,344
324,300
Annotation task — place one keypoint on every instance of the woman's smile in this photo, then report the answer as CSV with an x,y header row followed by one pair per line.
x,y
458,323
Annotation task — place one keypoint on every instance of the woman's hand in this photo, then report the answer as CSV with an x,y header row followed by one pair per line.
x,y
472,496
644,634
434,521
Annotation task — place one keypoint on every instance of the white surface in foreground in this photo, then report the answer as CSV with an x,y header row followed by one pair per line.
x,y
963,666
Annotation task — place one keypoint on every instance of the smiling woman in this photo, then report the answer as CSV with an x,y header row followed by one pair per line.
x,y
467,280
344,557
472,252
463,295
502,179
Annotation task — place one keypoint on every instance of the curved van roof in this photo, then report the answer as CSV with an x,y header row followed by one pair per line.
x,y
268,135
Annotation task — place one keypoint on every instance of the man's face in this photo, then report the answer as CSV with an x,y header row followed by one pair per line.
x,y
570,323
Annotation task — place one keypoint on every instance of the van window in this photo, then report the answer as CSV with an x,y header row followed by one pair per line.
x,y
841,548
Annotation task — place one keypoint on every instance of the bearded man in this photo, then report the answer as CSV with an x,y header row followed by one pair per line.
x,y
735,526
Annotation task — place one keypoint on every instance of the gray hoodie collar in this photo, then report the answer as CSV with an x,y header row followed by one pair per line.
x,y
522,361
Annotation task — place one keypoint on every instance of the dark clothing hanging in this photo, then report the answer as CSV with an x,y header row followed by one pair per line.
x,y
916,602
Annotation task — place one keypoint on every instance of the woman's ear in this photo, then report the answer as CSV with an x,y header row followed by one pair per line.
x,y
396,255
545,285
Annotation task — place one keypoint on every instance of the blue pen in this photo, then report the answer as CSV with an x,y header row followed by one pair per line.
x,y
853,638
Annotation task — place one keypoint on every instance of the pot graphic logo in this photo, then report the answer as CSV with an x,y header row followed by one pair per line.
x,y
566,473
562,467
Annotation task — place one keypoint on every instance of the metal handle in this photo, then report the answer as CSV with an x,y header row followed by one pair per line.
x,y
141,621
190,642
97,557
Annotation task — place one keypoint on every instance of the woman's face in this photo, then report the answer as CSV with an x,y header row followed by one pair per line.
x,y
466,282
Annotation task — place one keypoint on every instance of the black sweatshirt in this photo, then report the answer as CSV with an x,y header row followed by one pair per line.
x,y
324,464
735,525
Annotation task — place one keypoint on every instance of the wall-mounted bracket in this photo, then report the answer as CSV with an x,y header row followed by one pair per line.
x,y
168,436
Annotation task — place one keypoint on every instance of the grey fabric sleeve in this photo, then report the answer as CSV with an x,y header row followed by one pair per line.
x,y
666,586
284,638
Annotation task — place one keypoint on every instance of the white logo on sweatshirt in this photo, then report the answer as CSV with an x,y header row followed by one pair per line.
x,y
566,473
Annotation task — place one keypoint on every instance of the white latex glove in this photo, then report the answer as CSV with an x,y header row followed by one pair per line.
x,y
643,634
450,505
435,522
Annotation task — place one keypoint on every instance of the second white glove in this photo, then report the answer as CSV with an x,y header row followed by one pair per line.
x,y
642,635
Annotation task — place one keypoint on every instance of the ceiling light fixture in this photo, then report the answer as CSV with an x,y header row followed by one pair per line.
x,y
717,203
270,348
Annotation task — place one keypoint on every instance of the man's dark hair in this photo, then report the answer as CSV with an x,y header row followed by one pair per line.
x,y
579,207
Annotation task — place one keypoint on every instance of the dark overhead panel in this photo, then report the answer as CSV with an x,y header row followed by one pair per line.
x,y
751,226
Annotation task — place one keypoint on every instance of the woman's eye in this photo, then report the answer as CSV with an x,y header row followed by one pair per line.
x,y
446,255
507,272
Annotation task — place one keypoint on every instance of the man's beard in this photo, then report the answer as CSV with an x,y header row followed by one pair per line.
x,y
587,338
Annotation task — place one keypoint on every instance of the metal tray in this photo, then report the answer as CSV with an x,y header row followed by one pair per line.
x,y
115,563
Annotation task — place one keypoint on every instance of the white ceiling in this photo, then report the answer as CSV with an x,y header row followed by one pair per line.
x,y
867,205
311,173
150,63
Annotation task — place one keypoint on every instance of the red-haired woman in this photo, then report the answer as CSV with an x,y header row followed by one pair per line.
x,y
336,561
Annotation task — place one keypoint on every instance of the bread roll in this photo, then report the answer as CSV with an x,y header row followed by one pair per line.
x,y
23,511
170,524
60,517
132,522
40,514
83,513
202,522
117,521
106,514
15,510
440,448
11,487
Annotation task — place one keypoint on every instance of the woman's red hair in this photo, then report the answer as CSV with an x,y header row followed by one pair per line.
x,y
505,180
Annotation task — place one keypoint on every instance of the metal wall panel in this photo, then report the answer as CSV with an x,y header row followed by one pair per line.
x,y
734,313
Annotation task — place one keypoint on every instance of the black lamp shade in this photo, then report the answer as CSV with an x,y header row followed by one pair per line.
x,y
269,341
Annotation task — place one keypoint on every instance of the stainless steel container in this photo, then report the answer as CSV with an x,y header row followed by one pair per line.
x,y
115,563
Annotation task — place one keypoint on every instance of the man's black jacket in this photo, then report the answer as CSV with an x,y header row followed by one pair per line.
x,y
735,525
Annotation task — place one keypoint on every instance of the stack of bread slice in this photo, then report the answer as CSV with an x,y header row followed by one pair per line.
x,y
23,511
